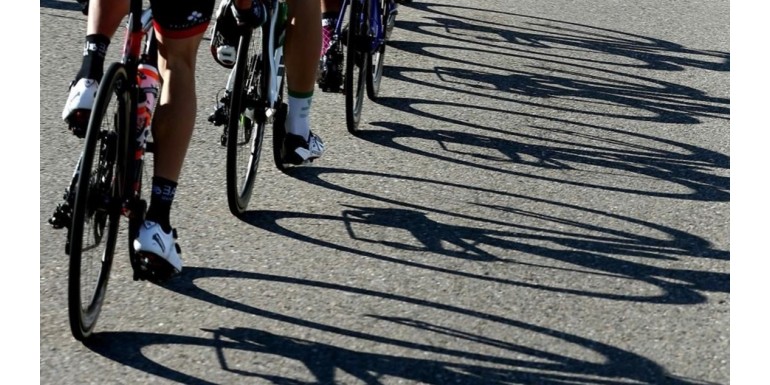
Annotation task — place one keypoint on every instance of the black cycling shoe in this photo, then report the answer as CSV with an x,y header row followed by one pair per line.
x,y
297,151
330,69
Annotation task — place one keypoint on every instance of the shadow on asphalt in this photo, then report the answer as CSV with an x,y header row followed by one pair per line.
x,y
591,249
689,169
324,361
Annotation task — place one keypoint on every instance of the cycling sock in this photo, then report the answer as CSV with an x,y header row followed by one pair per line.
x,y
94,51
298,119
163,191
328,22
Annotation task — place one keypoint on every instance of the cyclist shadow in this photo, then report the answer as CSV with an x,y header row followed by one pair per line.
x,y
688,169
542,35
324,362
649,99
618,252
522,38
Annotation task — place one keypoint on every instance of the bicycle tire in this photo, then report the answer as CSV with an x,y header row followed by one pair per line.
x,y
281,108
97,209
377,58
245,127
356,63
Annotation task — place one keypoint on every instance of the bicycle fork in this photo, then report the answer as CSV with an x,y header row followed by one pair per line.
x,y
62,215
391,8
378,32
274,53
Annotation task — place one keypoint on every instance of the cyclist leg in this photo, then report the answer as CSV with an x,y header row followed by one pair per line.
x,y
173,122
330,64
301,54
104,18
330,12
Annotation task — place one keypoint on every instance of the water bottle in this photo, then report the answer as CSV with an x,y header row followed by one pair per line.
x,y
148,80
283,12
282,20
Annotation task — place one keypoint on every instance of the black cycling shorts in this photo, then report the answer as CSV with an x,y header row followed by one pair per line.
x,y
178,19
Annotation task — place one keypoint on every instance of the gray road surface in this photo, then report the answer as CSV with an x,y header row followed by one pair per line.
x,y
540,196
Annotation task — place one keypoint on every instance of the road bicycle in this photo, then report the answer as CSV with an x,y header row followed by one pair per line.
x,y
252,99
361,39
107,182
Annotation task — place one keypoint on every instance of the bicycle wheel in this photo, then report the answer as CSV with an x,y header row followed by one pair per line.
x,y
356,60
245,128
374,70
97,210
279,132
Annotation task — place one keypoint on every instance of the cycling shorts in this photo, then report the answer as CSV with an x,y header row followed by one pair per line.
x,y
179,19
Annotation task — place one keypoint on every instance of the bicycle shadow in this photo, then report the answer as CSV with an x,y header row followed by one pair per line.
x,y
688,168
540,62
609,94
559,240
325,362
539,35
605,88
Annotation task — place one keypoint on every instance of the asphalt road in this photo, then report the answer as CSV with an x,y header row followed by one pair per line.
x,y
540,196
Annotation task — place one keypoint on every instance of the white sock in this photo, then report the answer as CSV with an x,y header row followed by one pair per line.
x,y
298,119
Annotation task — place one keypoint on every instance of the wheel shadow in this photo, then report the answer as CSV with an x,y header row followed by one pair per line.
x,y
557,40
325,362
692,171
505,235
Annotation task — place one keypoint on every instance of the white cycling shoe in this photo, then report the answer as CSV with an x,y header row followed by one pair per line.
x,y
153,241
224,37
81,97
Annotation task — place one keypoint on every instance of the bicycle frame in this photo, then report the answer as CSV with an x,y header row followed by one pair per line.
x,y
106,185
275,39
139,26
375,22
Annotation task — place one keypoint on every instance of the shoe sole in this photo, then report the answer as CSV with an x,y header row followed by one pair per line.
x,y
216,37
154,268
213,49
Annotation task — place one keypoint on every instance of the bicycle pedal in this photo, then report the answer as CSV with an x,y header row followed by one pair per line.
x,y
77,122
333,90
78,130
62,216
154,269
217,118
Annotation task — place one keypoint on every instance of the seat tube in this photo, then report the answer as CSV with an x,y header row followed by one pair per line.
x,y
272,87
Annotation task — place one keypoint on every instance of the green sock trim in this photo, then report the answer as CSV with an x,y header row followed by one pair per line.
x,y
300,95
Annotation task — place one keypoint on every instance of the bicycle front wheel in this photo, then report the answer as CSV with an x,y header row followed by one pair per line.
x,y
97,210
246,125
356,63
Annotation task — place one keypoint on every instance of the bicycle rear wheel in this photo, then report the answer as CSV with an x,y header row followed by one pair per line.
x,y
377,59
356,63
245,125
97,210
